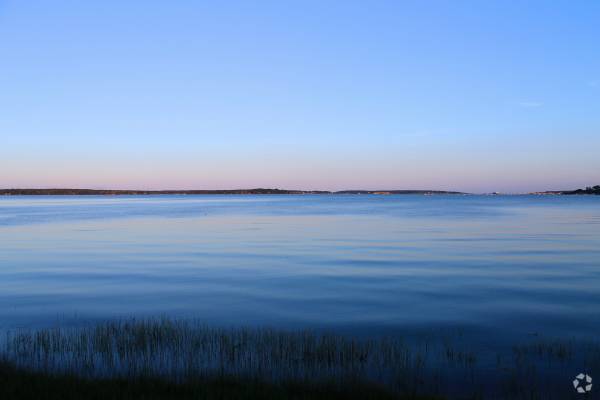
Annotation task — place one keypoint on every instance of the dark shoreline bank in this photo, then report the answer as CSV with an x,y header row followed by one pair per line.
x,y
21,384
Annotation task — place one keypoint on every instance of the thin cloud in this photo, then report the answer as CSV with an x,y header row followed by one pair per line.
x,y
417,134
530,104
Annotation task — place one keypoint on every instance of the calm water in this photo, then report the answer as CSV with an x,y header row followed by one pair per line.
x,y
510,265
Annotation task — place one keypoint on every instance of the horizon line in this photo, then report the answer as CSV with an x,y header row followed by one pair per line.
x,y
257,190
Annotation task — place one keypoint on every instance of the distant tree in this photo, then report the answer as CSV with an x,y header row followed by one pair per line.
x,y
588,190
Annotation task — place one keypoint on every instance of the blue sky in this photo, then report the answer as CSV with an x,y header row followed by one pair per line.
x,y
465,95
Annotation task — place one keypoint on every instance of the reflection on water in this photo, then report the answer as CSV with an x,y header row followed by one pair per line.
x,y
503,264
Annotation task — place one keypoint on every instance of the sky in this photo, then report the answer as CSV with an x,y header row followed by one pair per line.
x,y
476,96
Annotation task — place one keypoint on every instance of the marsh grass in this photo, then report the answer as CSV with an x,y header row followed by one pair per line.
x,y
189,355
177,350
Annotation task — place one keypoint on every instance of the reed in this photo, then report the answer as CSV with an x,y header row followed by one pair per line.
x,y
180,352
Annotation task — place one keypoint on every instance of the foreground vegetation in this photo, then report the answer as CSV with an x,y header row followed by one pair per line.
x,y
25,385
177,359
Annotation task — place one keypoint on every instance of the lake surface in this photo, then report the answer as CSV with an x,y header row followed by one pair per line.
x,y
511,265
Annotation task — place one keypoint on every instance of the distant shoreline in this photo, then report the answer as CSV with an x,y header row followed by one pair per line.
x,y
102,192
110,192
